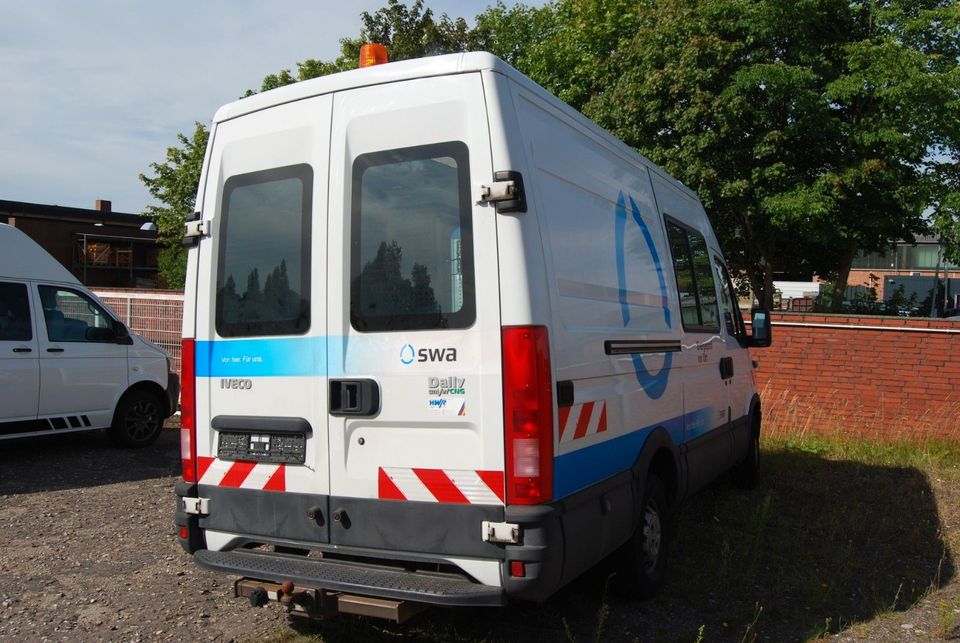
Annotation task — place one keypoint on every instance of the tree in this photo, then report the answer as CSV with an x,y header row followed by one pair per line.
x,y
174,183
804,125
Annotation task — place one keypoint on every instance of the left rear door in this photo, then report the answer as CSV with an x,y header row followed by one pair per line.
x,y
261,318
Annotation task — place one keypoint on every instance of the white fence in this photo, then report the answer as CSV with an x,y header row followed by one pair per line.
x,y
155,315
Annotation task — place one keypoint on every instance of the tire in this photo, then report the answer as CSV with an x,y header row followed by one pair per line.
x,y
642,560
138,420
746,474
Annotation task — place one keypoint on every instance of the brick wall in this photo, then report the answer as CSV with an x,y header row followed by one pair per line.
x,y
862,374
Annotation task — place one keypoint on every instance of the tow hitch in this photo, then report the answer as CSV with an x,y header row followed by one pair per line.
x,y
320,603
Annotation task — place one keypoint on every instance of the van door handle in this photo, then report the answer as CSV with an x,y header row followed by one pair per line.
x,y
354,398
22,350
726,368
54,350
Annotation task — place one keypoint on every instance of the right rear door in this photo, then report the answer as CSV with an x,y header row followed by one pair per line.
x,y
413,313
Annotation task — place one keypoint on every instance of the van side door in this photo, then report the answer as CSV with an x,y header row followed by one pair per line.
x,y
19,369
736,365
83,369
706,440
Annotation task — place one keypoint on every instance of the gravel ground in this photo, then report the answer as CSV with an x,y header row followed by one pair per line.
x,y
90,551
90,554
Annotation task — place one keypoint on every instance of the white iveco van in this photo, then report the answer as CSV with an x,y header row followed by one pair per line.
x,y
447,341
66,363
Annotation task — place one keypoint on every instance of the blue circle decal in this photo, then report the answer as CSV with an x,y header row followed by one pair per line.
x,y
407,354
654,385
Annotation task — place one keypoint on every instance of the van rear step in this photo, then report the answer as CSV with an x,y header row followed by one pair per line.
x,y
321,603
353,578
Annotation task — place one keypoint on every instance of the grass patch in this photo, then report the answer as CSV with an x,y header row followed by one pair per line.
x,y
841,530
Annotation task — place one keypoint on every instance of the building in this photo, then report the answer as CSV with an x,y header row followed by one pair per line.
x,y
912,268
103,249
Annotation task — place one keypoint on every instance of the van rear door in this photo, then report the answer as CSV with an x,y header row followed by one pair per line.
x,y
413,299
261,325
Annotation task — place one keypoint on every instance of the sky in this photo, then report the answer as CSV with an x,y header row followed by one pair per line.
x,y
92,92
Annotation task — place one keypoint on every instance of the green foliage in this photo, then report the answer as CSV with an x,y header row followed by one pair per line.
x,y
811,129
174,183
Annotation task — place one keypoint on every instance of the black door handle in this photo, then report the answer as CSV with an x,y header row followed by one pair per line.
x,y
726,368
22,350
355,398
54,350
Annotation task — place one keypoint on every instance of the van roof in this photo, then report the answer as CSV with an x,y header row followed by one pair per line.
x,y
423,68
22,258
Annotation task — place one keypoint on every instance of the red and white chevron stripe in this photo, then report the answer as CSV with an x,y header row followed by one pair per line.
x,y
441,485
242,474
581,420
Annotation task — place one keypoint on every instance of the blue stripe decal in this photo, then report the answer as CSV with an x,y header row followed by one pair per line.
x,y
301,356
584,467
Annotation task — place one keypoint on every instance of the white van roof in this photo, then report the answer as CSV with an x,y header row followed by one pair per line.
x,y
444,65
22,258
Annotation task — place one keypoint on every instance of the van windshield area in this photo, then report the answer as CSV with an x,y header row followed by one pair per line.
x,y
411,239
263,270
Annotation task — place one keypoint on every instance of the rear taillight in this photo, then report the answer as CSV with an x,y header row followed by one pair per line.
x,y
527,415
188,410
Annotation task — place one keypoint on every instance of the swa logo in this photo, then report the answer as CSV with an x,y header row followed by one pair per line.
x,y
408,354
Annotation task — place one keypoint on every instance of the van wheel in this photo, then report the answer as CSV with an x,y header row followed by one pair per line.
x,y
746,475
137,421
643,558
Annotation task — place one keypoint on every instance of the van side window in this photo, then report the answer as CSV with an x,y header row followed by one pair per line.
x,y
71,316
411,264
695,282
15,323
731,309
263,271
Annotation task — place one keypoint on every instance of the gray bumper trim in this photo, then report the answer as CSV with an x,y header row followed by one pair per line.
x,y
359,578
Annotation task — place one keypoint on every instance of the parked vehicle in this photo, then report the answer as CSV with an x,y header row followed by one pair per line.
x,y
451,337
66,363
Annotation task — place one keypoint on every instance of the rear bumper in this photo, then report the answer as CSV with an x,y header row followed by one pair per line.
x,y
401,535
353,577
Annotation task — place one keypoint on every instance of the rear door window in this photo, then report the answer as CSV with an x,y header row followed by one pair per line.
x,y
411,239
263,269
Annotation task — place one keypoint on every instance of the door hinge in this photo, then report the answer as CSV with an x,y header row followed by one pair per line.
x,y
506,192
195,506
500,532
194,228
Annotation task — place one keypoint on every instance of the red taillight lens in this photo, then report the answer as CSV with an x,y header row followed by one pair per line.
x,y
188,410
528,415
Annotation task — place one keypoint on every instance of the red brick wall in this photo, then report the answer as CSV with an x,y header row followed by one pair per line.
x,y
868,375
861,374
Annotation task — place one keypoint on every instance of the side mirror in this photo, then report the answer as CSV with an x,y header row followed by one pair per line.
x,y
762,335
120,333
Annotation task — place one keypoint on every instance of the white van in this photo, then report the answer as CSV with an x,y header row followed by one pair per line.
x,y
447,341
66,362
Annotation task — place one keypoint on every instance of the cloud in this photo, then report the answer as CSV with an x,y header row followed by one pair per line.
x,y
95,91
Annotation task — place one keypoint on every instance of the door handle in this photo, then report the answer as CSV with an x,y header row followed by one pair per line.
x,y
22,350
726,368
54,350
354,398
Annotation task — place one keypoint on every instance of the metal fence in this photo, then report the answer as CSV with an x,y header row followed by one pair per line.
x,y
156,316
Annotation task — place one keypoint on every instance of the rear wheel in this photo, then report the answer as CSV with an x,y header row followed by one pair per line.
x,y
747,474
137,421
643,558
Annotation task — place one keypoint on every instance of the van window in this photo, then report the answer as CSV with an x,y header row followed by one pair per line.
x,y
695,282
412,241
731,308
263,271
71,316
15,323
